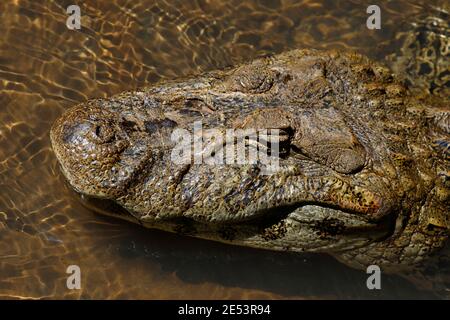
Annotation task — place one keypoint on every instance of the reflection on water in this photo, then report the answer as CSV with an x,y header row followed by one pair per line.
x,y
46,68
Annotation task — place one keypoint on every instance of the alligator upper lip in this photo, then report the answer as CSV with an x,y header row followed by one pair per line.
x,y
325,191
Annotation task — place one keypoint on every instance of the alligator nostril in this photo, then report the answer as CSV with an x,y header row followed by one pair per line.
x,y
103,133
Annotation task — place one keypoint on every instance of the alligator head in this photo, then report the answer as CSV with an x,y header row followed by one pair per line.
x,y
362,166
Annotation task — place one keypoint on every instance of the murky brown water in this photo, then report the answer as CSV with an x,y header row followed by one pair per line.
x,y
45,68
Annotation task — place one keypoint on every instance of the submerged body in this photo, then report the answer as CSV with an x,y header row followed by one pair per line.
x,y
363,164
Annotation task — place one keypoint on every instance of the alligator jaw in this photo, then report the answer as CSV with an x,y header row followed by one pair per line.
x,y
300,228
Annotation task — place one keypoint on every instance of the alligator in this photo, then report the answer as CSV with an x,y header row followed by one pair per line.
x,y
363,163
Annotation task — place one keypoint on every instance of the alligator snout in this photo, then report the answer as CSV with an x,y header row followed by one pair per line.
x,y
95,152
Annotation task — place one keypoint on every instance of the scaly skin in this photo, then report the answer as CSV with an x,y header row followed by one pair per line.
x,y
423,57
364,164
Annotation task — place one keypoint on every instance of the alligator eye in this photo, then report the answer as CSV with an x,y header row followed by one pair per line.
x,y
256,83
253,78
